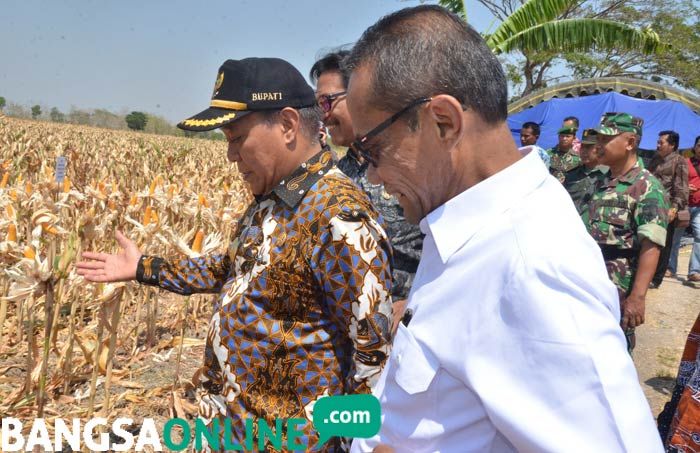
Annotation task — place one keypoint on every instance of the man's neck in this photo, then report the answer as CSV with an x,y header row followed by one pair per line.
x,y
664,156
302,155
488,152
620,168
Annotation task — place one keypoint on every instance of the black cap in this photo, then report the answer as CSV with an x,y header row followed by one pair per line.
x,y
248,85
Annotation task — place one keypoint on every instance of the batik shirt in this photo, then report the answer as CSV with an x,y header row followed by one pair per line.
x,y
406,239
672,171
623,212
679,422
304,309
561,162
582,182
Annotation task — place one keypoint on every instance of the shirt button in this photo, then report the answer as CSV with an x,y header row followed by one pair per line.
x,y
398,358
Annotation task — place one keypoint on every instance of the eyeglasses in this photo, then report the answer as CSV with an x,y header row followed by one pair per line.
x,y
325,101
359,147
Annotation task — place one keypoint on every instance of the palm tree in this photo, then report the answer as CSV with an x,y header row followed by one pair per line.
x,y
542,26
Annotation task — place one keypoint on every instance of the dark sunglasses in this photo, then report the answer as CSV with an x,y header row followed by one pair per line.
x,y
360,147
325,101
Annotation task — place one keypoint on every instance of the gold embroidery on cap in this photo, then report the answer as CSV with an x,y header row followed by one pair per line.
x,y
233,105
211,122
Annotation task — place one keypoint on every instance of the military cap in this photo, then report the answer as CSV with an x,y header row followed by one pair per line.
x,y
570,130
617,123
589,137
249,85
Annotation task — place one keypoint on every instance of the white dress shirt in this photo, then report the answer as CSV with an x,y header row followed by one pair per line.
x,y
515,342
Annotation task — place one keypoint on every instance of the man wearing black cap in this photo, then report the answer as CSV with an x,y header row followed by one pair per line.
x,y
305,307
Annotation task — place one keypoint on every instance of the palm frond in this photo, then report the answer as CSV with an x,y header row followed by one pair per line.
x,y
580,35
531,14
456,6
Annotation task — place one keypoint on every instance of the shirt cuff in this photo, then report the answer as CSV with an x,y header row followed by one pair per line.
x,y
148,270
655,233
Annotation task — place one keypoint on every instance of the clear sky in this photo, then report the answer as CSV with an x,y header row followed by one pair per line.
x,y
162,56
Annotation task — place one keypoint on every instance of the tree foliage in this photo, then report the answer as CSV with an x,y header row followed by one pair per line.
x,y
677,22
56,115
136,121
456,6
103,118
539,33
3,102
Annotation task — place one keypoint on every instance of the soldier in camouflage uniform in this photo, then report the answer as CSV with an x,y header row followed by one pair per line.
x,y
562,157
406,239
583,181
627,217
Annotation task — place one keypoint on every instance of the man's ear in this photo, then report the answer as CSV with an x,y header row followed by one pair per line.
x,y
631,141
290,121
446,114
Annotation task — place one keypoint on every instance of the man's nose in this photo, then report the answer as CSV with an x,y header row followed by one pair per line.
x,y
232,154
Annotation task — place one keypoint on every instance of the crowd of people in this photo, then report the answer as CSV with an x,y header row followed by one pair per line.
x,y
436,264
578,168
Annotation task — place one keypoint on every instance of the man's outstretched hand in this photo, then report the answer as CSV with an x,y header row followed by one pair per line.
x,y
104,267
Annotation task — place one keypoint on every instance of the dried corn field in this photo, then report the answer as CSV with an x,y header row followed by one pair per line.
x,y
72,349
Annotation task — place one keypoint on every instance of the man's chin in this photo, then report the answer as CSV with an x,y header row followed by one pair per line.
x,y
254,189
408,213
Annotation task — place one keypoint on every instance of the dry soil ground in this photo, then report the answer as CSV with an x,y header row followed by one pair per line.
x,y
670,313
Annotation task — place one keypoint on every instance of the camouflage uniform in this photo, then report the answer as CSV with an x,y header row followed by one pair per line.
x,y
562,162
620,215
582,182
406,239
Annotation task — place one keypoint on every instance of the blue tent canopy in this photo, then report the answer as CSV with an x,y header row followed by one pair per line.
x,y
658,116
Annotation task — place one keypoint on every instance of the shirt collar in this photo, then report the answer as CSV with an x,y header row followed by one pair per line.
x,y
599,168
355,166
671,156
631,174
560,151
454,223
362,166
292,189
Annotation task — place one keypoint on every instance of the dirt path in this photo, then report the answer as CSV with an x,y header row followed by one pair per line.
x,y
670,313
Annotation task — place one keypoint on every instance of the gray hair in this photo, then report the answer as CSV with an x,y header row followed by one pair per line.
x,y
424,51
309,119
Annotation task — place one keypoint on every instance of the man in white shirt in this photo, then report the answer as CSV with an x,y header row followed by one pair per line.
x,y
511,339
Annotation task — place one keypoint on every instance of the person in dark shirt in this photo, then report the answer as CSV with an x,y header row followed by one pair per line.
x,y
671,169
407,240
